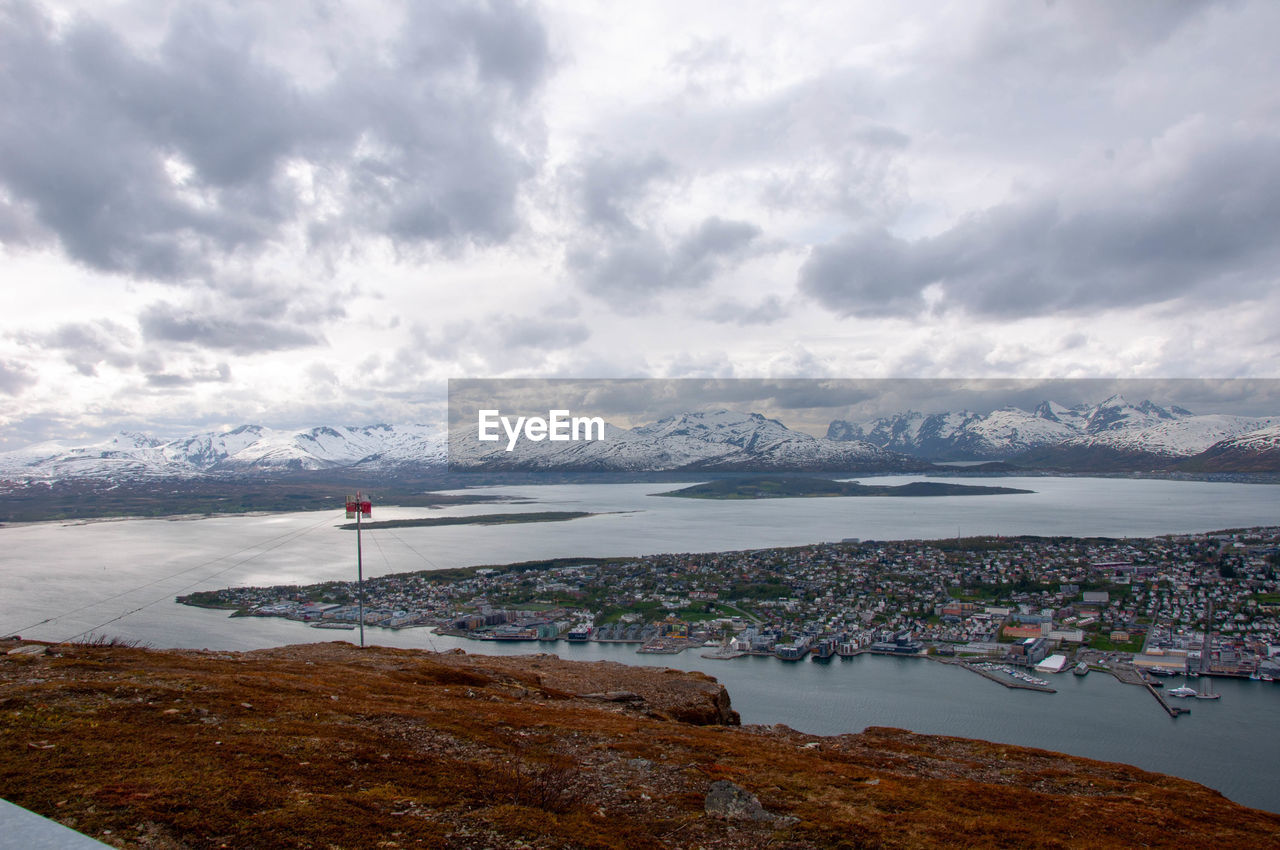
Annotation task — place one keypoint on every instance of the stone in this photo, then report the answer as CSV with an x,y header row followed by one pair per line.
x,y
730,801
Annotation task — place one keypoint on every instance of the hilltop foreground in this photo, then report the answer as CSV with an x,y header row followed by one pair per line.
x,y
331,746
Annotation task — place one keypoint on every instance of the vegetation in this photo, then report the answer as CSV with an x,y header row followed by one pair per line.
x,y
1105,644
331,746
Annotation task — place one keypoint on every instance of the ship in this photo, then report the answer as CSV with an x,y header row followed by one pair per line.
x,y
580,632
1182,692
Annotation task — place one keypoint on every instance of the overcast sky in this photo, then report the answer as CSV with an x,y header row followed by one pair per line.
x,y
316,213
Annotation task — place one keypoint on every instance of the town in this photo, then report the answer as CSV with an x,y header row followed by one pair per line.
x,y
1140,606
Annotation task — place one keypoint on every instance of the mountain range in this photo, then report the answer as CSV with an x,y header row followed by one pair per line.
x,y
712,441
246,450
1113,435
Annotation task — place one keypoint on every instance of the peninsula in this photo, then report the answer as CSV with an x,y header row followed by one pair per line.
x,y
787,487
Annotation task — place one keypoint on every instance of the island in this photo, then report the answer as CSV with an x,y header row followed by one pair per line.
x,y
787,487
479,519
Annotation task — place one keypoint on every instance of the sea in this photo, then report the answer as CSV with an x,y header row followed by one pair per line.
x,y
118,578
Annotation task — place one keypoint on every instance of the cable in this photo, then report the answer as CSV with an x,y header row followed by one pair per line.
x,y
378,543
430,642
429,562
201,580
145,585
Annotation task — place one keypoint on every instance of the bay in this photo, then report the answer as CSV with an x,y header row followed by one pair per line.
x,y
119,578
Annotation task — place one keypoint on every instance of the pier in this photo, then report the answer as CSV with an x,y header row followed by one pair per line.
x,y
1130,676
1173,710
1012,684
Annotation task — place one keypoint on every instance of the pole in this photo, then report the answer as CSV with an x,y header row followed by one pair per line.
x,y
359,566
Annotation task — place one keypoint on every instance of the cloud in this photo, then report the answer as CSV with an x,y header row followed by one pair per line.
x,y
221,373
15,377
768,311
609,187
628,269
162,162
167,323
1197,222
496,343
87,345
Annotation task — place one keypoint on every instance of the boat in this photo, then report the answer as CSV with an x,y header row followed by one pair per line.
x,y
1182,692
580,632
1081,669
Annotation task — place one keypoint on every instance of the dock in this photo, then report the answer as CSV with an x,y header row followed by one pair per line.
x,y
1130,676
1012,684
1173,710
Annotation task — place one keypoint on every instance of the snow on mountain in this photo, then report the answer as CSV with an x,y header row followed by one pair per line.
x,y
1254,451
246,449
1262,440
1114,424
125,455
1180,437
1116,414
717,440
959,436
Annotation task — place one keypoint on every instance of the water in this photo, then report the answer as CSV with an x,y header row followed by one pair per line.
x,y
120,577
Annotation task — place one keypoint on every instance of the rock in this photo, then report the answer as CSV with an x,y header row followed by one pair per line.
x,y
729,801
31,649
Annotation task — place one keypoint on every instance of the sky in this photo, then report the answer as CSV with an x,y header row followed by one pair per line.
x,y
304,213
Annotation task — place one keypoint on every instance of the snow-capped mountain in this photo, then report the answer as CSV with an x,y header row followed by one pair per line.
x,y
707,441
247,449
957,436
719,440
1256,451
1111,435
1113,425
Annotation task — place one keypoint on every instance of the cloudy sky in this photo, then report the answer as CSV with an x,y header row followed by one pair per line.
x,y
214,213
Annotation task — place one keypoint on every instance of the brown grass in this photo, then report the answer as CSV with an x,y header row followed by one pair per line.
x,y
329,746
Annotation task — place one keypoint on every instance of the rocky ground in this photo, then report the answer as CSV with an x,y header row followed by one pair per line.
x,y
331,746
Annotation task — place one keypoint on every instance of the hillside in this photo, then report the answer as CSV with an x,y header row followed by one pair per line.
x,y
331,746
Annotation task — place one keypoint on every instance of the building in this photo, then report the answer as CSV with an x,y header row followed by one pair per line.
x,y
1163,663
1053,664
1029,651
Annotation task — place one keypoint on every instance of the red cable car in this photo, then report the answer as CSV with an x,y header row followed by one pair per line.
x,y
357,503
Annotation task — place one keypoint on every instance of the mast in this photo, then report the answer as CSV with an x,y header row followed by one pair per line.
x,y
359,574
359,506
